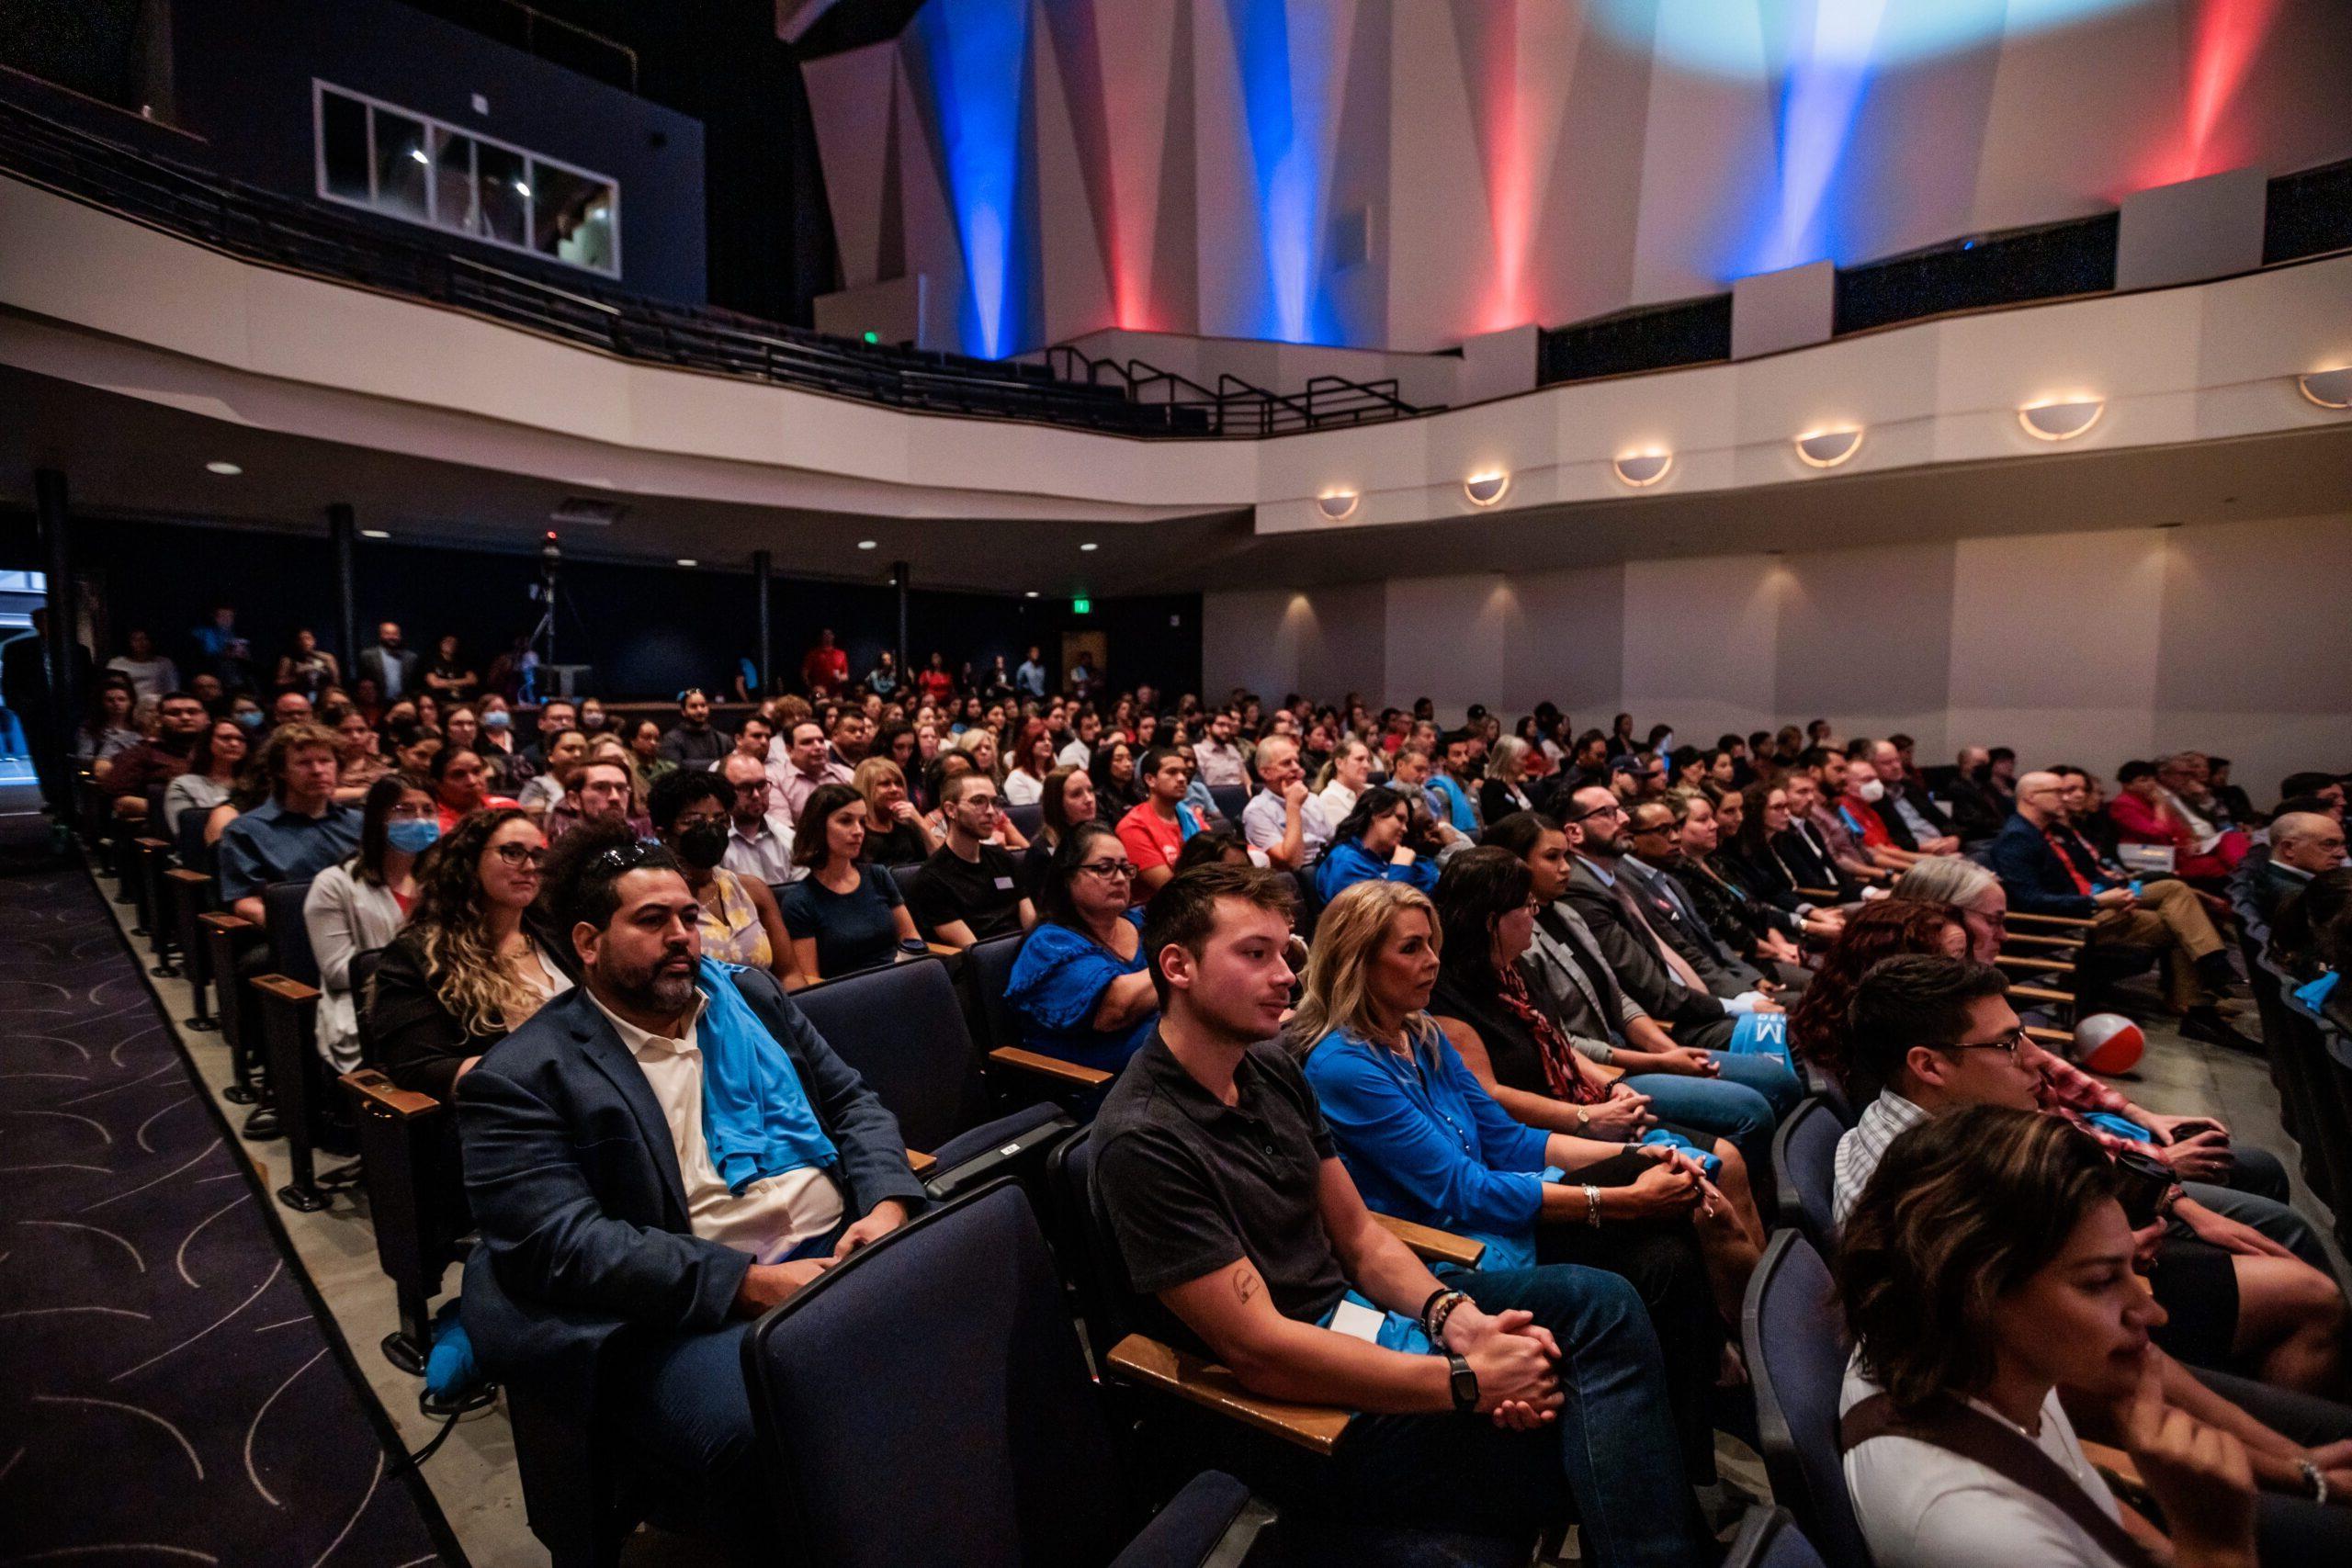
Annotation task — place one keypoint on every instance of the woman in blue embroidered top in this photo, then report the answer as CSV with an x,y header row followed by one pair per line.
x,y
1370,847
1080,986
1425,1142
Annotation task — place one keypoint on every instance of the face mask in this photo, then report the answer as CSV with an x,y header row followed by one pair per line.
x,y
1871,790
592,721
1664,743
412,836
249,720
701,847
496,721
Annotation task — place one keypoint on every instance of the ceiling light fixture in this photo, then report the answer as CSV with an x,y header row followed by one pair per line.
x,y
2061,419
1090,546
1031,595
868,544
375,533
222,465
688,561
1486,488
1827,448
1642,470
2328,389
1338,505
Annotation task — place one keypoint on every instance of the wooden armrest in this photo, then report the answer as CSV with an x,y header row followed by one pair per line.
x,y
921,1163
286,990
375,1092
2042,994
158,844
1828,893
2076,921
1433,1245
183,875
945,950
2059,965
1315,1428
1045,1066
2068,943
222,921
2049,1036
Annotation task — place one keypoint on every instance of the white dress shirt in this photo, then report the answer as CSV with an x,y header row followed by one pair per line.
x,y
771,1217
764,856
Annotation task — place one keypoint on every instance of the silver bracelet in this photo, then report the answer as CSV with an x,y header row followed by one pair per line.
x,y
2314,1478
1592,1205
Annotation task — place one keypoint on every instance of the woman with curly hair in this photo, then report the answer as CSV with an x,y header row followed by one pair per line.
x,y
473,965
1818,1029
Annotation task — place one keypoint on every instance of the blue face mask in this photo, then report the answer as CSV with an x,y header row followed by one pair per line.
x,y
251,720
412,836
495,720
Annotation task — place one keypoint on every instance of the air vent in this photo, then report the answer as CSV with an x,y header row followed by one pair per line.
x,y
581,511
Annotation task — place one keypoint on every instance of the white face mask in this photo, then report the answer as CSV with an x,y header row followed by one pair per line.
x,y
1869,789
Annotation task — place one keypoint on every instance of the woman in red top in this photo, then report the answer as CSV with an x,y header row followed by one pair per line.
x,y
934,681
2142,816
461,784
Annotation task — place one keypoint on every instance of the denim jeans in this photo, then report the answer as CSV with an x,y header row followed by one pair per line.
x,y
1743,1104
1611,1449
2256,1196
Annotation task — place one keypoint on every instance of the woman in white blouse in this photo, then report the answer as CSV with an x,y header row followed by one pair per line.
x,y
361,903
1987,1264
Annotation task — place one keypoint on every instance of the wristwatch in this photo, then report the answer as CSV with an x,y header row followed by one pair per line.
x,y
1465,1383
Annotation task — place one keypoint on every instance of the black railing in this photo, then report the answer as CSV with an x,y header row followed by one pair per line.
x,y
1235,406
356,248
2051,261
1647,337
2310,214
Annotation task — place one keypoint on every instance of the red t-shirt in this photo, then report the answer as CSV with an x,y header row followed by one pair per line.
x,y
826,668
1150,839
937,686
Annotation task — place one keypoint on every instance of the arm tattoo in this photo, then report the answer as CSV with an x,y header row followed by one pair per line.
x,y
1245,1282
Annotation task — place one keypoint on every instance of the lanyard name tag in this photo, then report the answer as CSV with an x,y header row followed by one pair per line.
x,y
1357,1322
1005,882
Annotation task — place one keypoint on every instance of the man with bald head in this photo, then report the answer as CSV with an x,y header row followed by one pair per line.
x,y
1285,823
2045,871
2303,844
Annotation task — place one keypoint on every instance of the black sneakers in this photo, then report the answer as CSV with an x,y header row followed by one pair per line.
x,y
2206,1024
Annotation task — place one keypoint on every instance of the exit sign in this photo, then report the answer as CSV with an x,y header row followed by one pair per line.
x,y
1083,606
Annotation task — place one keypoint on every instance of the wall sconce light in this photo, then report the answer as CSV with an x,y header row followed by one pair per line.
x,y
2061,419
1642,470
1337,505
1827,448
2328,389
1487,487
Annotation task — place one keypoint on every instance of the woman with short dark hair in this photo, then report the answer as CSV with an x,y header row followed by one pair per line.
x,y
1082,984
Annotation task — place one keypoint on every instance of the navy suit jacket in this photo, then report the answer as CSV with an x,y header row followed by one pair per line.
x,y
574,1182
2031,873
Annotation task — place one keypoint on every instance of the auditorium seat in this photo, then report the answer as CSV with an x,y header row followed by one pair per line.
x,y
286,1001
1016,1073
1805,1154
951,1330
1788,1331
1230,799
1027,819
1768,1538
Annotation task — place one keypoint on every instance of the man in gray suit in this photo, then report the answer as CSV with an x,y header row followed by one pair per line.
x,y
391,667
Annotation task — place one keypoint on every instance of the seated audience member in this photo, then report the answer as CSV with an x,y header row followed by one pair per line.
x,y
499,747
2145,812
359,755
214,763
2327,789
896,833
556,715
1069,800
2186,778
1915,824
451,675
759,837
1740,1096
969,889
473,962
1978,809
1408,775
1247,1254
1813,925
1675,838
1827,816
545,790
643,736
693,813
1154,832
754,737
693,741
1031,760
2303,844
2044,873
1079,986
359,904
1282,822
180,723
1939,1033
1770,858
1988,1266
2305,942
1423,1140
2230,799
296,833
1346,777
846,914
804,764
1505,788
461,783
603,790
152,674
1369,846
1653,839
785,1161
1085,730
1223,762
1453,790
1117,786
107,732
1213,846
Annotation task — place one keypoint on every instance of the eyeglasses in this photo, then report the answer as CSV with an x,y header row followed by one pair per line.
x,y
1111,870
2008,1044
515,856
1597,811
1653,831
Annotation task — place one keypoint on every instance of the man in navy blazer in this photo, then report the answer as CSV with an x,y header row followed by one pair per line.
x,y
613,1256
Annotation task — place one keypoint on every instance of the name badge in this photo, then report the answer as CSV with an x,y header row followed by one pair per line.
x,y
1005,883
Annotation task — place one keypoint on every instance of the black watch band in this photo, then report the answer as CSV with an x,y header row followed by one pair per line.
x,y
1465,1383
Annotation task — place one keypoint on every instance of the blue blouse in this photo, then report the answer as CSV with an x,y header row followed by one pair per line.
x,y
1057,983
1425,1142
1345,865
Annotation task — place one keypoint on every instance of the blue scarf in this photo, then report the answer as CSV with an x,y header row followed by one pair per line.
x,y
755,1113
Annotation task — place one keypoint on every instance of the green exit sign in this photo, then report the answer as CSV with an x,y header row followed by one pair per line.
x,y
1083,606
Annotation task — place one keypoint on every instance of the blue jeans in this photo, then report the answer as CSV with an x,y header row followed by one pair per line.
x,y
678,1407
1612,1450
1745,1104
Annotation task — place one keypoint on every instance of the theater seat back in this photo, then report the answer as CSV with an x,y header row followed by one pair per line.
x,y
932,1390
1790,1331
988,969
1230,799
1026,819
290,938
901,1028
1805,1159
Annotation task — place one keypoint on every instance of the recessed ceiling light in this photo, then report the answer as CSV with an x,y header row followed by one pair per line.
x,y
221,465
868,544
1031,595
1089,545
688,561
375,533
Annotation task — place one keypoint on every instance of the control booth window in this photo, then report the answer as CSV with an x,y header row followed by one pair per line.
x,y
411,167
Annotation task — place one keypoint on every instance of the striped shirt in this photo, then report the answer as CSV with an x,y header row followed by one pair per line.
x,y
1881,1121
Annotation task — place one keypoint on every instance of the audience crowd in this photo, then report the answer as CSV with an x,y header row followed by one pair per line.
x,y
1550,990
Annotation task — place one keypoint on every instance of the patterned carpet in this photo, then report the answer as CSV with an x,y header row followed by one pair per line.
x,y
168,1393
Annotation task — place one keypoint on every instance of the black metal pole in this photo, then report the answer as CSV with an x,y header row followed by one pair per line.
x,y
762,567
56,557
343,532
898,581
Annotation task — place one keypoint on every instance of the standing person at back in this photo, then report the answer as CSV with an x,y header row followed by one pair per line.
x,y
824,668
693,741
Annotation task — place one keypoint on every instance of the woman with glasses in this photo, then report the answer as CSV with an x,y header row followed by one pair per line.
x,y
360,904
212,776
473,963
692,812
1082,987
847,914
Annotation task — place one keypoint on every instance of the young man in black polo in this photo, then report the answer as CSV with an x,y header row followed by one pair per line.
x,y
1230,1209
971,889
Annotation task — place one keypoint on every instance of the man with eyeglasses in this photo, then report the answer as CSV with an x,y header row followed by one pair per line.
x,y
759,839
971,889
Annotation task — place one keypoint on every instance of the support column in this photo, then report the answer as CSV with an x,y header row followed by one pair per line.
x,y
56,560
763,568
342,533
898,581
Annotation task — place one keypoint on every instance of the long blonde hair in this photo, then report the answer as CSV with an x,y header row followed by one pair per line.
x,y
1347,934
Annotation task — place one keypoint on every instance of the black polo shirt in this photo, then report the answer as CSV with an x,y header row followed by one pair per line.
x,y
1188,1185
